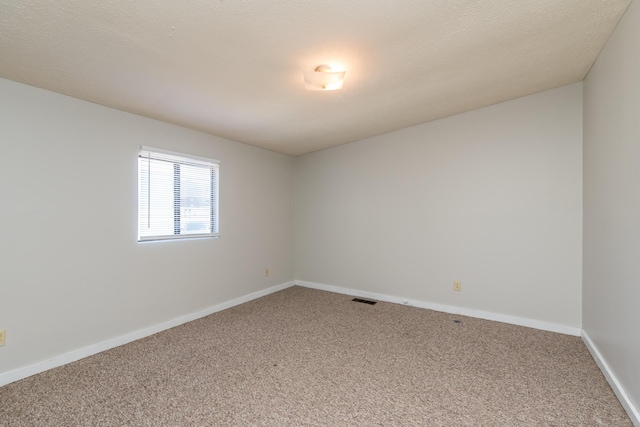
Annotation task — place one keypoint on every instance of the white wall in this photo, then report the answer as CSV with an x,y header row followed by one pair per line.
x,y
72,273
611,266
491,197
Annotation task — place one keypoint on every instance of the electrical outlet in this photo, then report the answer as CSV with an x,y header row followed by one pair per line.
x,y
266,272
457,286
3,337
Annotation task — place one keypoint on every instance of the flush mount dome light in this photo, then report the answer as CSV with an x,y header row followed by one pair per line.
x,y
323,78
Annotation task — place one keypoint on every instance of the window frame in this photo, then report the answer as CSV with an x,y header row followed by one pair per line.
x,y
177,159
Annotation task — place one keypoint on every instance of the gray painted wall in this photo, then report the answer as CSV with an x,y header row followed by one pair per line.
x,y
492,198
72,271
611,266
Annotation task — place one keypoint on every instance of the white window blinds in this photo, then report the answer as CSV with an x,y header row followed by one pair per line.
x,y
177,195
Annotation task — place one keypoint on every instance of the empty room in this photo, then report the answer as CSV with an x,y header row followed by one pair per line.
x,y
320,213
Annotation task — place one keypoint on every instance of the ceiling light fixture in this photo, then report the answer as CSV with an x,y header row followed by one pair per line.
x,y
323,78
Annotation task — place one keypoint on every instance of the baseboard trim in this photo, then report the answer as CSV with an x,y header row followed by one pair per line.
x,y
625,401
514,320
72,356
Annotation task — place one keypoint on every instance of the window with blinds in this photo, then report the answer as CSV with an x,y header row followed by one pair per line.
x,y
177,196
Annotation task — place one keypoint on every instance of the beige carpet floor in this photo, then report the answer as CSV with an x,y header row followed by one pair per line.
x,y
303,357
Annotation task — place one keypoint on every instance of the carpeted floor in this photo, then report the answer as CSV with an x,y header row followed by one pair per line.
x,y
307,357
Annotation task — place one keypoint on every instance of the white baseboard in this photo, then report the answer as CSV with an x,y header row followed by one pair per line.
x,y
520,321
624,399
72,356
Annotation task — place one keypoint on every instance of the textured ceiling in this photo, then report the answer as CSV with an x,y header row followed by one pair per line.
x,y
234,68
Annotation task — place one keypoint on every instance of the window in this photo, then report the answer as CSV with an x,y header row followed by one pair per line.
x,y
177,196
